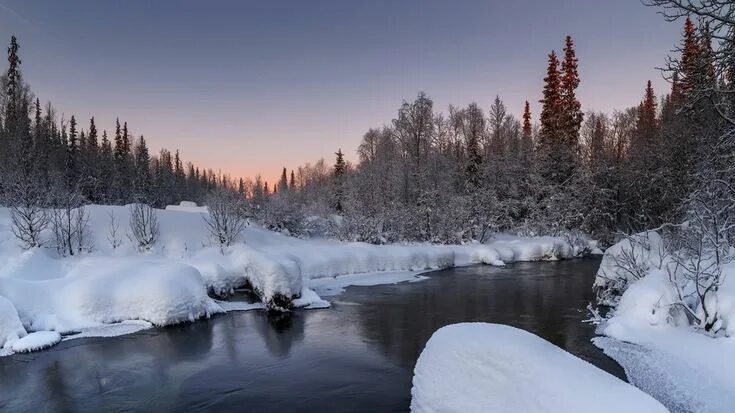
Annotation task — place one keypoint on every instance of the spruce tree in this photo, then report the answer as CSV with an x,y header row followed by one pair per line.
x,y
179,177
690,58
527,135
91,165
283,182
571,108
143,181
571,111
496,145
107,171
646,125
241,187
550,135
72,157
340,167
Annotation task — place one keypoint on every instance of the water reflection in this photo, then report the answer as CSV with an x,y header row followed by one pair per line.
x,y
547,299
357,356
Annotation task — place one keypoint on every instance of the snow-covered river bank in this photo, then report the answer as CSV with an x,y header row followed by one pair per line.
x,y
46,292
357,356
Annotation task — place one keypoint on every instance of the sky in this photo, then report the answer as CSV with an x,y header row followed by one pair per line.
x,y
251,87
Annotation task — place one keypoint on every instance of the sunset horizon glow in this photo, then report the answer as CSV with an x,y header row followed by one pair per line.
x,y
245,97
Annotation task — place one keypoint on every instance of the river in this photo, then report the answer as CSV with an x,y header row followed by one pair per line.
x,y
356,356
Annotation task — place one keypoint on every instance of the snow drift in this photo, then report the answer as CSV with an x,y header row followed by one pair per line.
x,y
479,367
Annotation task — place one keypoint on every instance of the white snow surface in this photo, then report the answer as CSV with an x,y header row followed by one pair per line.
x,y
170,283
480,367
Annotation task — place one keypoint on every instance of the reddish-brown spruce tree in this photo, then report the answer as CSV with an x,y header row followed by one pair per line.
x,y
527,129
571,108
551,105
646,125
690,52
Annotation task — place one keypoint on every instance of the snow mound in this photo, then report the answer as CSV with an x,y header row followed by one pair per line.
x,y
11,329
99,290
187,206
646,303
36,341
479,367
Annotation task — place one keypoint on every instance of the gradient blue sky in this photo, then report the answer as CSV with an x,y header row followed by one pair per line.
x,y
253,86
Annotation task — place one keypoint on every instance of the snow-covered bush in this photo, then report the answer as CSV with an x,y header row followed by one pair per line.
x,y
69,225
28,223
671,276
625,262
114,236
144,227
226,218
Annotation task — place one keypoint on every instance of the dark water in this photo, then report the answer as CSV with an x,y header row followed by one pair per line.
x,y
357,356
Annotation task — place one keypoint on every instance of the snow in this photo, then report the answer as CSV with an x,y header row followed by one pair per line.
x,y
686,372
35,341
310,300
11,329
171,283
111,330
239,306
663,355
336,285
480,367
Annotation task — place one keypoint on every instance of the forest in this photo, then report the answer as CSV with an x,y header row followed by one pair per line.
x,y
466,174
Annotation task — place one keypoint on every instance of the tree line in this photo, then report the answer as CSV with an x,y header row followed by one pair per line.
x,y
466,173
46,160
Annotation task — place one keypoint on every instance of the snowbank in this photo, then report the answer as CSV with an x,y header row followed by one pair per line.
x,y
479,367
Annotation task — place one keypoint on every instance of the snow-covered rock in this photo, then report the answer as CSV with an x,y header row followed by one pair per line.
x,y
480,367
11,329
